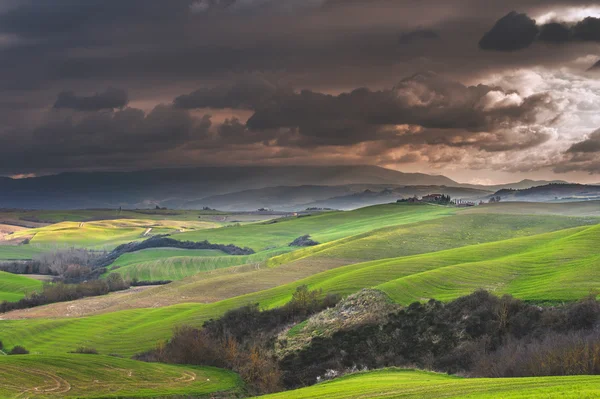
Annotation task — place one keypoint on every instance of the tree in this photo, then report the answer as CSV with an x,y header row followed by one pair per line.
x,y
115,282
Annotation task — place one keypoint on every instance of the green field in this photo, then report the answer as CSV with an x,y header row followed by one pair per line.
x,y
19,252
411,252
434,235
105,234
14,287
176,264
322,227
558,266
95,376
396,383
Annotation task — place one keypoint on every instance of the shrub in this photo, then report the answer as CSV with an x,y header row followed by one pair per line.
x,y
18,350
303,241
85,350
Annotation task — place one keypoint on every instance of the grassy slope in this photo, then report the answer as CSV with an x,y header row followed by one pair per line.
x,y
176,264
93,376
428,236
105,234
109,214
554,266
14,287
393,383
322,227
434,235
19,252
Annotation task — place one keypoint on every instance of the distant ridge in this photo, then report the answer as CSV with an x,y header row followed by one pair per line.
x,y
552,192
235,188
176,187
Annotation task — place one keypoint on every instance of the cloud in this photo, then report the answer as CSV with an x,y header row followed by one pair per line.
x,y
426,100
99,139
591,144
109,99
512,32
518,31
247,93
555,32
417,35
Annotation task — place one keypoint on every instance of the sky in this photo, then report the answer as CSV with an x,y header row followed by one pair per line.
x,y
480,91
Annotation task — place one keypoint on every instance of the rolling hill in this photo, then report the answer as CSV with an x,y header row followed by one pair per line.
x,y
96,376
14,287
550,267
398,383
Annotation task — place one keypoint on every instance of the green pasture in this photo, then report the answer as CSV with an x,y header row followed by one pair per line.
x,y
434,235
322,227
14,287
176,264
397,383
19,252
550,267
96,376
105,234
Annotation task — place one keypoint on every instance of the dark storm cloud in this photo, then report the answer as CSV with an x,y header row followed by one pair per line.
x,y
555,32
248,93
592,144
426,100
41,18
518,31
101,138
512,32
157,50
109,99
417,35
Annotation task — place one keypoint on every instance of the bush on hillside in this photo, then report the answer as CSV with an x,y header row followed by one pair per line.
x,y
61,292
241,340
18,350
84,350
452,337
303,241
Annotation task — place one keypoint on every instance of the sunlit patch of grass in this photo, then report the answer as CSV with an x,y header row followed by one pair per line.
x,y
396,383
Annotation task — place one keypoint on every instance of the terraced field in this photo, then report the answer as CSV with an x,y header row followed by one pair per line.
x,y
14,287
395,383
95,376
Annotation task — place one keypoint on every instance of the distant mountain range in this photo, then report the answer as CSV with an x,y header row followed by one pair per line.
x,y
235,188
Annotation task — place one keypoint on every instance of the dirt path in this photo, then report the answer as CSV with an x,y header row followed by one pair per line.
x,y
148,230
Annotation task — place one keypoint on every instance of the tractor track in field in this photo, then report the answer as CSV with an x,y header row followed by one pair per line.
x,y
58,385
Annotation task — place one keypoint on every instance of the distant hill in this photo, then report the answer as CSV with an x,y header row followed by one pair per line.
x,y
236,188
177,187
552,192
350,196
523,184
